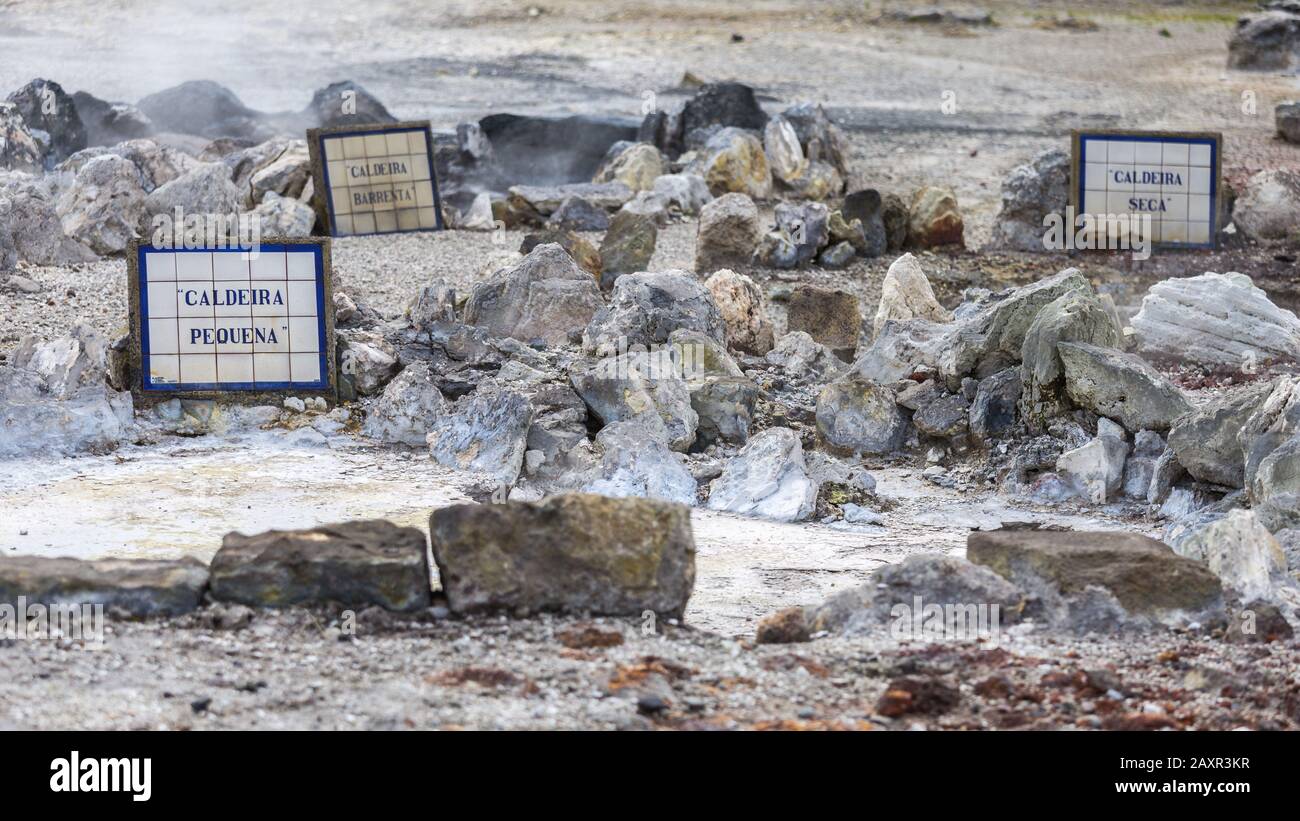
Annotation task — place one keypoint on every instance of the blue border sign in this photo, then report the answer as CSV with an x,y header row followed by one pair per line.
x,y
396,196
1173,178
277,281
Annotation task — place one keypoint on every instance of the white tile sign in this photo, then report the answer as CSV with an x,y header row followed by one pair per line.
x,y
376,179
1171,178
229,320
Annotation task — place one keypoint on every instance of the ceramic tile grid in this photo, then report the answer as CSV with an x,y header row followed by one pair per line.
x,y
1174,179
231,321
380,181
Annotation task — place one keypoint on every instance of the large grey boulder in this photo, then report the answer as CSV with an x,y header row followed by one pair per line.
x,y
545,296
279,216
1266,41
1068,572
804,359
1029,193
38,419
1077,316
575,553
65,365
407,409
47,108
557,438
19,148
205,108
993,410
325,109
104,206
1274,420
1206,442
725,406
1215,320
1268,208
858,416
991,334
902,349
642,386
768,478
1287,118
574,214
1240,551
367,361
905,293
1121,386
486,432
203,190
644,308
91,420
244,163
157,164
352,564
1095,470
1275,486
287,174
727,234
955,585
945,416
635,464
686,193
54,398
135,587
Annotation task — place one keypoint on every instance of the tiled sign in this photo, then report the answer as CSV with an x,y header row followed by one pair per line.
x,y
1171,177
218,320
375,179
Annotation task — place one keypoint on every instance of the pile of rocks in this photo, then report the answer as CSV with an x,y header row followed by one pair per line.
x,y
82,177
718,142
95,199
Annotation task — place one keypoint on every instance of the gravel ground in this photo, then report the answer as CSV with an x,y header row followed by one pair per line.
x,y
227,667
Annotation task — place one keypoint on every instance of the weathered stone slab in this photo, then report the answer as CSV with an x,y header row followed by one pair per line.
x,y
1146,577
137,587
353,564
1121,386
571,553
